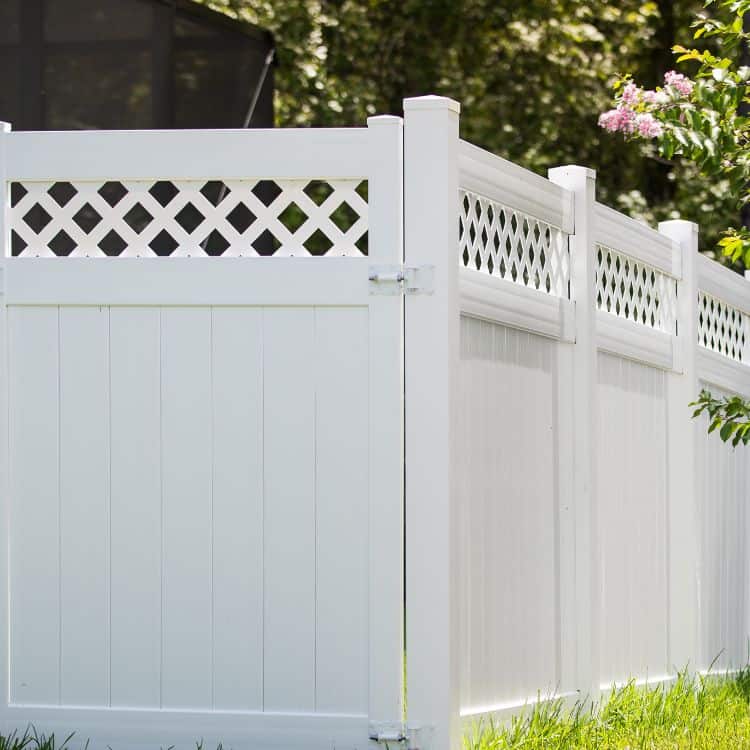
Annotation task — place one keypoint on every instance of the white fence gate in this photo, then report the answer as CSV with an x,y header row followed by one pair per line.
x,y
205,454
443,427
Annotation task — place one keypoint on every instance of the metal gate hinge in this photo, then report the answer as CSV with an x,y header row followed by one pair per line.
x,y
383,733
405,736
392,280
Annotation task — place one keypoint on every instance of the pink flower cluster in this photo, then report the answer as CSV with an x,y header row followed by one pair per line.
x,y
626,119
648,126
682,84
620,120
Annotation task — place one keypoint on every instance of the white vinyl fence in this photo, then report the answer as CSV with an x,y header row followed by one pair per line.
x,y
294,414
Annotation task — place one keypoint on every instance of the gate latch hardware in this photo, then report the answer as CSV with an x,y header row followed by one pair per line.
x,y
393,280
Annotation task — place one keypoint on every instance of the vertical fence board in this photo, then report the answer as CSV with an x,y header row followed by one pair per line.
x,y
187,519
565,539
289,510
507,516
723,568
632,432
238,508
135,424
341,425
35,545
84,505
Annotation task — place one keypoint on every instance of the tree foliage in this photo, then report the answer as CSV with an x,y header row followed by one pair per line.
x,y
531,75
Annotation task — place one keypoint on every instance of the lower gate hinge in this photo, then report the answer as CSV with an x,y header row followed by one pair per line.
x,y
392,280
406,736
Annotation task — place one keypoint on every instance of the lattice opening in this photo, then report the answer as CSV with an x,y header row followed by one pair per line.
x,y
189,218
634,290
504,242
722,327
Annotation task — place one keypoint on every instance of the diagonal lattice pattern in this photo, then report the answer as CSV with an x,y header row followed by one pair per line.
x,y
634,290
189,218
722,328
512,245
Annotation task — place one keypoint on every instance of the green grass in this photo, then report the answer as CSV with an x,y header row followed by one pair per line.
x,y
691,714
31,740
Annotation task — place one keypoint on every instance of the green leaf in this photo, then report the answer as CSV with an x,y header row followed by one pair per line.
x,y
726,431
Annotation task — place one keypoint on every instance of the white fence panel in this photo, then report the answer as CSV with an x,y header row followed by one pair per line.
x,y
265,505
582,554
722,475
632,432
507,497
723,564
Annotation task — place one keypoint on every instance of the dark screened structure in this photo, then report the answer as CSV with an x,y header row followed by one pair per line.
x,y
129,64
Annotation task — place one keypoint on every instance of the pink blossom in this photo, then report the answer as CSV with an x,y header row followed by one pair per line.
x,y
682,84
650,97
621,120
610,120
631,94
627,120
648,126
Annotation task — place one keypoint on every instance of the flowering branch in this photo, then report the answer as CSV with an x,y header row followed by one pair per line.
x,y
703,120
700,119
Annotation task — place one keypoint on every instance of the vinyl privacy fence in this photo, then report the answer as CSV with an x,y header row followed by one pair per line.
x,y
305,422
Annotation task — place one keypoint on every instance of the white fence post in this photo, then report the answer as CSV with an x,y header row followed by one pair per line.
x,y
5,251
682,388
432,330
584,588
386,590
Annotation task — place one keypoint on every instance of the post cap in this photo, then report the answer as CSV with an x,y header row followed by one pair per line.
x,y
431,101
570,170
384,121
684,223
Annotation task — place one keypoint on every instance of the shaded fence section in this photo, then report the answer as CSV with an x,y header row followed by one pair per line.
x,y
596,534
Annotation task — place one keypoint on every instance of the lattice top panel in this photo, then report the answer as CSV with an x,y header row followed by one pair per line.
x,y
512,245
635,291
722,328
189,218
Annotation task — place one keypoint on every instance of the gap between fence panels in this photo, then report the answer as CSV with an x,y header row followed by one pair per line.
x,y
448,371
